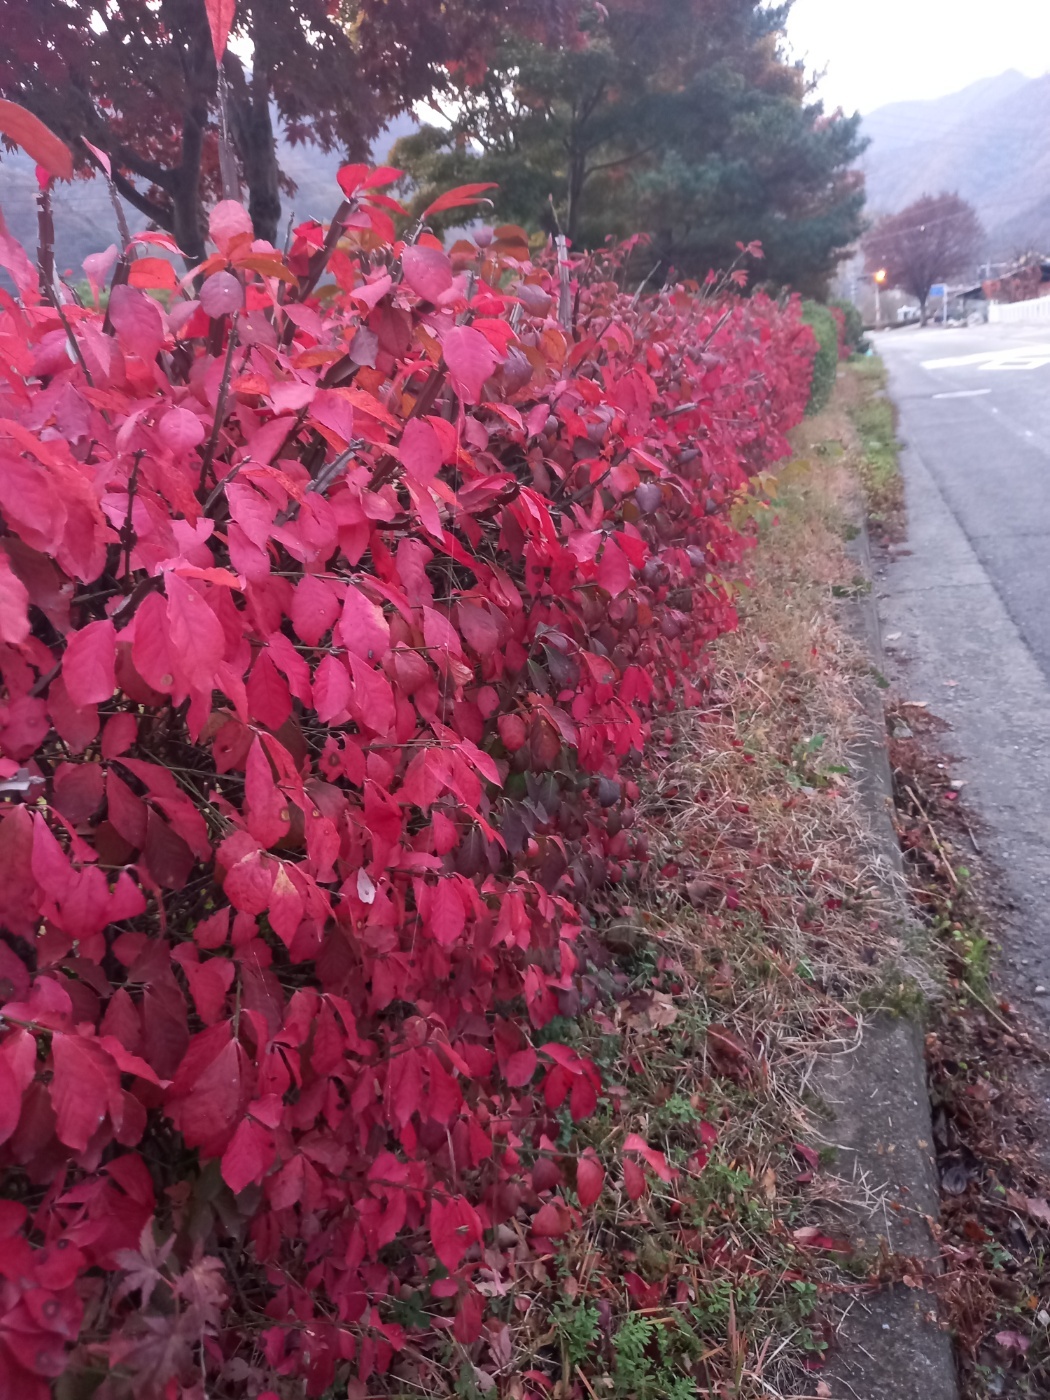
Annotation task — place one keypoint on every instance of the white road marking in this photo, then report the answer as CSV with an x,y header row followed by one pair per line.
x,y
963,394
1019,357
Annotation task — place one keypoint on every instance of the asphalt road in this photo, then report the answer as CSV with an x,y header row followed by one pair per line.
x,y
976,405
965,608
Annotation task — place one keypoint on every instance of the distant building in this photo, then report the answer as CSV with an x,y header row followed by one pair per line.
x,y
1027,279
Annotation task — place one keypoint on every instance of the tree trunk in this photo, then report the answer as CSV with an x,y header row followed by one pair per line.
x,y
253,134
187,223
577,180
922,309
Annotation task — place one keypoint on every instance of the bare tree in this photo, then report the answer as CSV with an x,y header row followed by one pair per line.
x,y
937,237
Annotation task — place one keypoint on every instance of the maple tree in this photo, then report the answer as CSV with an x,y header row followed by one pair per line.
x,y
340,591
140,81
937,237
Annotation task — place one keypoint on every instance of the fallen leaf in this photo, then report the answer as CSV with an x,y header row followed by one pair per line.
x,y
1013,1341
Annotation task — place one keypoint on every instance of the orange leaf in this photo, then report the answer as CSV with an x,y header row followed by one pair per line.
x,y
457,198
152,273
36,139
268,264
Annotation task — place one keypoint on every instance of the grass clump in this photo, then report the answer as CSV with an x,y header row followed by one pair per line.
x,y
878,460
826,364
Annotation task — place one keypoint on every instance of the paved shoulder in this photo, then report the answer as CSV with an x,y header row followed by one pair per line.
x,y
969,605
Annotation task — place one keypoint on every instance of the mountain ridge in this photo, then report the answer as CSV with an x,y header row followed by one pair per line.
x,y
986,143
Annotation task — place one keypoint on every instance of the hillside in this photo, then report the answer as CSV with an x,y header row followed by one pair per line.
x,y
987,142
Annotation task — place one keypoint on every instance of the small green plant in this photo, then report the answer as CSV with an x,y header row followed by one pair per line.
x,y
577,1325
875,421
826,364
805,1297
650,1358
675,1111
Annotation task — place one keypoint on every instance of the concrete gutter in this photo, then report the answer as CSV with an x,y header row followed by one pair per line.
x,y
891,1346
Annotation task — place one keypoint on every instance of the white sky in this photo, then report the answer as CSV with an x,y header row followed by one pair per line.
x,y
879,51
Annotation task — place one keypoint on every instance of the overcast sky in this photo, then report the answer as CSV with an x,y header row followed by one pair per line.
x,y
879,51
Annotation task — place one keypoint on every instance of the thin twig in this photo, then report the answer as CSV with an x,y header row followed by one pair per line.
x,y
45,250
936,839
220,409
128,530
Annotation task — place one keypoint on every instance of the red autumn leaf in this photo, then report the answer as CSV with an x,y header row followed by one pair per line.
x,y
180,430
470,1314
36,139
138,322
420,450
209,984
14,605
590,1178
315,608
249,882
194,631
633,1179
362,628
1013,1341
447,918
458,198
512,732
88,664
550,1220
207,1091
331,687
229,223
285,908
10,1100
353,178
152,273
84,1085
250,1155
650,1155
614,572
266,807
811,1158
220,18
221,294
267,693
479,627
428,271
212,931
168,858
454,1226
470,360
520,1068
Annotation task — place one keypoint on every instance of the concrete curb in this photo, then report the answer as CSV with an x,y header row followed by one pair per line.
x,y
890,1344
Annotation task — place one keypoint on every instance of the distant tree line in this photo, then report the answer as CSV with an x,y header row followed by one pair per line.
x,y
680,118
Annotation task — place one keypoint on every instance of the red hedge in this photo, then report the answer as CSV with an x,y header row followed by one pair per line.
x,y
333,601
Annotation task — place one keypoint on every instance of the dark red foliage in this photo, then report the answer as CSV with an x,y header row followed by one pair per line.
x,y
339,591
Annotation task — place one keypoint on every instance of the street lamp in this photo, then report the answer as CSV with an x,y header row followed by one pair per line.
x,y
880,278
